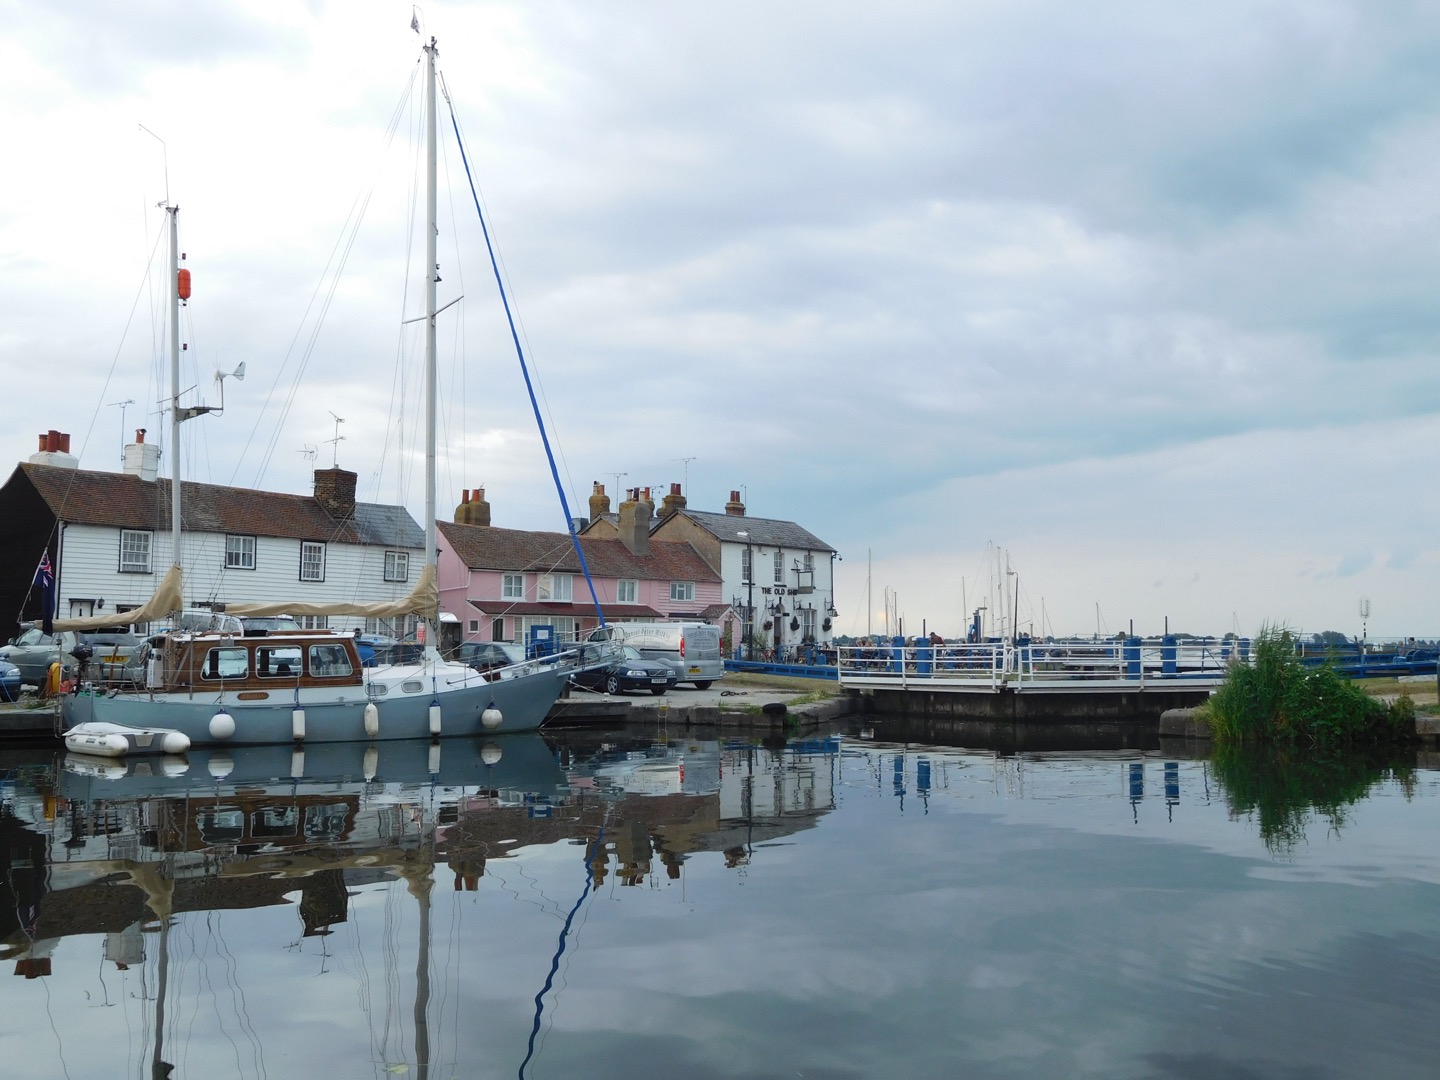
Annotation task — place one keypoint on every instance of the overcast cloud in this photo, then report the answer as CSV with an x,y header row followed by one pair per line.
x,y
1141,294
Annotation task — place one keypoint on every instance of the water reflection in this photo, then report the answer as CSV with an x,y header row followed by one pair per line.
x,y
596,903
1286,789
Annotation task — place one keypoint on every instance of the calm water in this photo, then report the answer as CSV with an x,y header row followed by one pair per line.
x,y
620,905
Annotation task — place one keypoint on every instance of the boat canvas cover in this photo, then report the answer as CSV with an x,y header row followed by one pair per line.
x,y
168,597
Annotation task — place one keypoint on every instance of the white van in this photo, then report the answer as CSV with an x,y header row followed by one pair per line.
x,y
691,648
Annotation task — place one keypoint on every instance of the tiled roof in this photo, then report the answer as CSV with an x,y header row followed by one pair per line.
x,y
123,500
483,547
581,606
764,532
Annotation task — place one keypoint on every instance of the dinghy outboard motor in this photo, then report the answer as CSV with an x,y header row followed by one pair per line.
x,y
82,652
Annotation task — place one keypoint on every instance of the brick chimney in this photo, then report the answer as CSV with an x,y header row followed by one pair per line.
x,y
735,508
672,502
635,514
599,501
473,509
335,492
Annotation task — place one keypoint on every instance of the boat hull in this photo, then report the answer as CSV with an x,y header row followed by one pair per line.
x,y
402,712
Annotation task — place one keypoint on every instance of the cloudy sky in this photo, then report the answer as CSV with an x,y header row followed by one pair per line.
x,y
1139,297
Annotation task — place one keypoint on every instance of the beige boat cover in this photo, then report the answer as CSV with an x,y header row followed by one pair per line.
x,y
422,600
168,597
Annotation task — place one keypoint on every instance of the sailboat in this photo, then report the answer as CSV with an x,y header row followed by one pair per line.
x,y
219,688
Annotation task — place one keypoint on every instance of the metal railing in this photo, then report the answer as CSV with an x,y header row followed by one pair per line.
x,y
1038,665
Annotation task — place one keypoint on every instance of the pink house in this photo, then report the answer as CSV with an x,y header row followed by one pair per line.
x,y
497,583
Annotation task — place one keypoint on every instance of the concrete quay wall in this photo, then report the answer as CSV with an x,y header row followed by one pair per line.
x,y
1059,707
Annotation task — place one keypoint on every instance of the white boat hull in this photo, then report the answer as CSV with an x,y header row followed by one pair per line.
x,y
402,697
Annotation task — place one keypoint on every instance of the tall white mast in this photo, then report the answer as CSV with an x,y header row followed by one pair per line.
x,y
175,417
431,273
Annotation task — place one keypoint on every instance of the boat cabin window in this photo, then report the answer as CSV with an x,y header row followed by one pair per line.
x,y
221,824
278,662
328,822
225,664
269,822
330,661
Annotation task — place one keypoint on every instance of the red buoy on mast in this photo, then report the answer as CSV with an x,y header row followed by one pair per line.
x,y
182,284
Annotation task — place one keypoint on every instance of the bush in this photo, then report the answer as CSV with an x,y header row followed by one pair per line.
x,y
1277,698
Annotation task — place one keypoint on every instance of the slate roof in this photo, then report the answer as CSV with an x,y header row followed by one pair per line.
x,y
482,547
125,501
764,532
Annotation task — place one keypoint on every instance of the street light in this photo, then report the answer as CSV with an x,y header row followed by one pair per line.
x,y
750,595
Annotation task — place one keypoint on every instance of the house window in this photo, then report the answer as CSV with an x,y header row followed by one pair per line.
x,y
397,566
134,552
807,623
313,622
626,591
565,627
497,629
239,553
140,628
779,567
474,626
682,590
553,587
312,561
745,565
809,560
512,587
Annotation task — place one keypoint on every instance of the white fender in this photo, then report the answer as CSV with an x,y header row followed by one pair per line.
x,y
297,724
372,719
492,717
222,725
435,718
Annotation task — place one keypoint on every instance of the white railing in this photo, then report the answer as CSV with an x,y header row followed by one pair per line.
x,y
1038,665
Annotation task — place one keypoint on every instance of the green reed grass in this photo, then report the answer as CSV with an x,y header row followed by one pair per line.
x,y
1278,699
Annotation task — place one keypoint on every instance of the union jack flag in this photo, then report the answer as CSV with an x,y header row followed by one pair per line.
x,y
45,585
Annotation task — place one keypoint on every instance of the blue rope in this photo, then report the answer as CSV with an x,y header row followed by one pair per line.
x,y
595,851
524,369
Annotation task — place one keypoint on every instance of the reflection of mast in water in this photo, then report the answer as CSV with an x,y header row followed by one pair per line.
x,y
592,853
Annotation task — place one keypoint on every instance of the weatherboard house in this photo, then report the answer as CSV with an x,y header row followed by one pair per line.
x,y
501,583
777,576
108,538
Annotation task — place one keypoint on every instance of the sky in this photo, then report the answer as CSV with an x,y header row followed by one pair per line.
x,y
1123,309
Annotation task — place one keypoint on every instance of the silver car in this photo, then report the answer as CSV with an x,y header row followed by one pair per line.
x,y
34,651
112,654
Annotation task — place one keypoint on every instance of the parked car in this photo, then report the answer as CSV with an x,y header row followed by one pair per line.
x,y
34,651
489,655
113,657
373,648
628,671
9,681
111,654
264,624
691,649
201,619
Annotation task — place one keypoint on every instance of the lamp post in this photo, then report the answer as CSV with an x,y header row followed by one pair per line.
x,y
750,593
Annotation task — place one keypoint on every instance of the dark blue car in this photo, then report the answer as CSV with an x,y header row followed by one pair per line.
x,y
9,681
